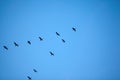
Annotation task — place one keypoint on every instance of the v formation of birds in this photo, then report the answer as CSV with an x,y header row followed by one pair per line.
x,y
41,39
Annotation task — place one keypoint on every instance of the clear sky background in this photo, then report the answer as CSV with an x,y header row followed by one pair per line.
x,y
90,53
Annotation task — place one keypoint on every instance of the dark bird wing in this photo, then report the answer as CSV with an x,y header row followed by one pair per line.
x,y
63,40
74,29
51,53
34,70
29,77
29,42
16,44
57,34
5,47
41,39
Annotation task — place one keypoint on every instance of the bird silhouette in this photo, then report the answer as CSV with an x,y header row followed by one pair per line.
x,y
51,53
74,29
16,44
57,34
29,78
5,47
41,39
63,40
35,70
29,42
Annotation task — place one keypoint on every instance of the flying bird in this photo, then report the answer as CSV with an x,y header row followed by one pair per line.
x,y
29,42
5,47
63,40
51,53
16,44
34,70
29,77
57,34
41,39
74,29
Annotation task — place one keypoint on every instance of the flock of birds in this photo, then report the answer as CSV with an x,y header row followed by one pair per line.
x,y
41,39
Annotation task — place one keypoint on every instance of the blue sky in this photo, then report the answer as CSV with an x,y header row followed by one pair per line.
x,y
90,53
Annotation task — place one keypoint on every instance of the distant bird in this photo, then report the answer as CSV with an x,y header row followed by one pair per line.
x,y
51,53
74,29
34,70
16,44
57,34
29,42
63,40
29,77
41,39
5,47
